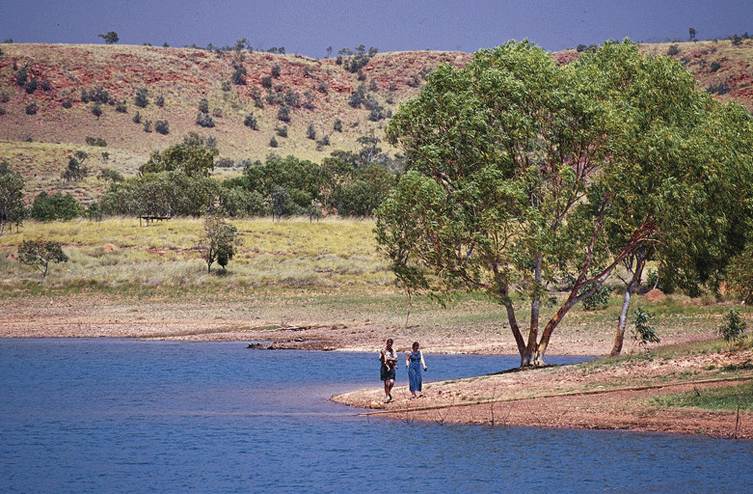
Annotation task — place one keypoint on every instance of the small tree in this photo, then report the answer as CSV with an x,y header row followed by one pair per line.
x,y
734,327
110,38
40,253
219,242
12,206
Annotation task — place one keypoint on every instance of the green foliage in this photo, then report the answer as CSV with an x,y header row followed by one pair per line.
x,y
643,332
251,122
110,175
598,300
283,114
522,172
204,120
734,326
40,253
76,170
96,141
12,205
142,97
57,206
219,242
162,127
204,105
192,158
110,38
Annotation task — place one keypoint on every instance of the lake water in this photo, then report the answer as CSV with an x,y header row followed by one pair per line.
x,y
111,415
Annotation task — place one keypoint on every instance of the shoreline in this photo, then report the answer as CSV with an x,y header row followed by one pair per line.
x,y
591,395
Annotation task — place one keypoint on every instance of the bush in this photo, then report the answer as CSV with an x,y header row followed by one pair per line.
x,y
643,332
31,109
276,71
96,141
40,253
67,103
311,132
715,66
251,122
97,109
734,328
121,107
162,126
204,120
55,207
273,142
137,118
282,131
142,97
283,114
673,50
204,105
338,125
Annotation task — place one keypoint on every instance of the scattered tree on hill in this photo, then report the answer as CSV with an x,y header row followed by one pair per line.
x,y
522,174
12,206
219,242
76,170
110,38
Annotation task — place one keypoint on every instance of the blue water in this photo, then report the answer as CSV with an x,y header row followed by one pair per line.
x,y
110,415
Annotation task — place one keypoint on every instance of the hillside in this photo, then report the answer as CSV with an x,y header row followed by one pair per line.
x,y
67,84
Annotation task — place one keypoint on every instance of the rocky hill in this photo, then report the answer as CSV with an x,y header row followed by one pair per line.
x,y
121,103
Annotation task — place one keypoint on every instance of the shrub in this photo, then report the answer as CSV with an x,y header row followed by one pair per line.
x,y
643,332
239,75
162,126
137,118
715,66
142,97
276,71
225,163
55,207
217,112
204,120
283,114
251,122
282,131
673,50
31,109
160,101
67,103
311,132
338,125
266,82
273,142
97,109
121,107
96,141
734,328
204,105
30,86
147,125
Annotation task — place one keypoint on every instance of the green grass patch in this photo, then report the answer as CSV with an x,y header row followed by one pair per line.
x,y
724,398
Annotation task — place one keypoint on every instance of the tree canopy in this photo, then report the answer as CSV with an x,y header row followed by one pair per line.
x,y
528,176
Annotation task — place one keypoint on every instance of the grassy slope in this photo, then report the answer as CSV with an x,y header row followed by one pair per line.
x,y
183,76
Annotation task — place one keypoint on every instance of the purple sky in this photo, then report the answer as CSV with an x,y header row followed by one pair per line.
x,y
309,27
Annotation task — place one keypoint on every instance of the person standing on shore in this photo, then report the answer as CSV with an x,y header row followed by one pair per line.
x,y
388,358
414,362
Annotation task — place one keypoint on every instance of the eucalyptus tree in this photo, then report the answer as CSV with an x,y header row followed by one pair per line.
x,y
522,173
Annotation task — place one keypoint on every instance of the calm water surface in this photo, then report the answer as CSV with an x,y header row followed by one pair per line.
x,y
110,415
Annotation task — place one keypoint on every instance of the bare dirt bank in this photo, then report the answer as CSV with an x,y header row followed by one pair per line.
x,y
592,395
